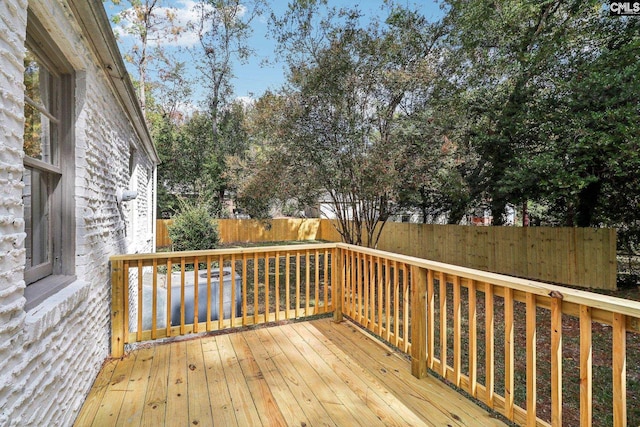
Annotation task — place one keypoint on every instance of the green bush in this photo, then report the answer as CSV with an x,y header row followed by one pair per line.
x,y
193,229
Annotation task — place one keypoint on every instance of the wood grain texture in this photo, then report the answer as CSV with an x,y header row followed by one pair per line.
x,y
307,373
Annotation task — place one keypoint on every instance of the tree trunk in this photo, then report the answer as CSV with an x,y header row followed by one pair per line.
x,y
587,201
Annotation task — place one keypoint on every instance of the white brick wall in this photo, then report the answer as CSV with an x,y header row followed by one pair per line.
x,y
49,356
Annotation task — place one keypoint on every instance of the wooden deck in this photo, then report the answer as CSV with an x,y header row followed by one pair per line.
x,y
300,374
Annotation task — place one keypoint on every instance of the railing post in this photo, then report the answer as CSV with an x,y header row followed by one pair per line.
x,y
117,308
337,285
418,322
619,370
556,361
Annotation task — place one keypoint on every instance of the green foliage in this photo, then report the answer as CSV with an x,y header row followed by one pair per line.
x,y
335,134
497,103
193,229
550,93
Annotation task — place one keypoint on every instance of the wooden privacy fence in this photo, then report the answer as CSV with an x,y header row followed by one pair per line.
x,y
252,231
518,346
571,256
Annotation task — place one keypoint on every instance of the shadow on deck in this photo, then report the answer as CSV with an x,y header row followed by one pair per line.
x,y
300,374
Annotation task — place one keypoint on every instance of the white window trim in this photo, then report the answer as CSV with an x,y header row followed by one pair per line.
x,y
63,213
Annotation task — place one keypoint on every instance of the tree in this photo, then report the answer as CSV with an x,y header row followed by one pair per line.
x,y
594,135
348,86
536,82
223,28
259,175
151,25
232,145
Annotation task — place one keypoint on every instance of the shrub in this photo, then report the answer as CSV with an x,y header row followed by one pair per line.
x,y
193,229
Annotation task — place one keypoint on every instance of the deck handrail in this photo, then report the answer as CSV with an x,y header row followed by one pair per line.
x,y
408,296
577,296
394,296
251,297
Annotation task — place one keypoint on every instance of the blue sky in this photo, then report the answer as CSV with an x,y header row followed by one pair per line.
x,y
255,77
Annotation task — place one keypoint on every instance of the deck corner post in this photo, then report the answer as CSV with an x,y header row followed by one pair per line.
x,y
418,322
338,284
117,308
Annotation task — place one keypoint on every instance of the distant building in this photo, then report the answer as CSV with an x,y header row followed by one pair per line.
x,y
77,184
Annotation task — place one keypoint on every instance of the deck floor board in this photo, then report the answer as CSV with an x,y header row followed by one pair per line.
x,y
301,374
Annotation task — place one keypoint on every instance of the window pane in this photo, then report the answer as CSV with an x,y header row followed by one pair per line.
x,y
37,189
39,131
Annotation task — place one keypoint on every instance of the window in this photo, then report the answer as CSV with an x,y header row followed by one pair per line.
x,y
49,164
42,171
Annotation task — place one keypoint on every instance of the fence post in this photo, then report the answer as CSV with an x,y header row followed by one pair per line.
x,y
418,322
337,285
117,308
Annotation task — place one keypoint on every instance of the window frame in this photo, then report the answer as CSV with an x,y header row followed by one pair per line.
x,y
45,281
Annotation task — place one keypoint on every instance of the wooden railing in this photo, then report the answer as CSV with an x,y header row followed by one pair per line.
x,y
493,336
154,295
524,348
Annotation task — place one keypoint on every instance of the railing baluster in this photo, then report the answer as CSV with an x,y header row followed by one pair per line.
x,y
233,290
359,287
182,300
443,325
430,319
457,331
405,307
125,288
473,339
316,289
338,259
366,289
221,292
396,304
244,289
267,285
418,322
372,293
532,333
509,364
209,292
119,307
277,283
586,367
307,280
196,289
297,285
325,276
353,286
154,299
556,362
619,370
489,350
380,285
169,272
287,273
387,299
256,286
140,307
